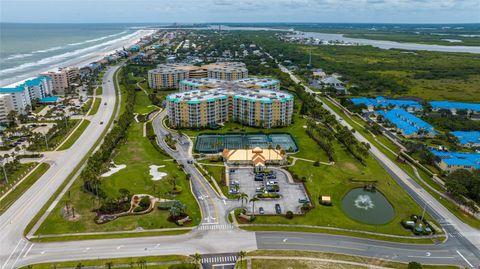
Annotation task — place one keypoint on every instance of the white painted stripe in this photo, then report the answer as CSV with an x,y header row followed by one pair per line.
x,y
11,253
464,258
28,250
19,254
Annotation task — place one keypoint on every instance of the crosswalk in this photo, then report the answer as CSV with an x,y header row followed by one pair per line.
x,y
219,259
205,227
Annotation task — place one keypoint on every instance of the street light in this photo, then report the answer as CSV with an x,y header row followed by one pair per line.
x,y
46,141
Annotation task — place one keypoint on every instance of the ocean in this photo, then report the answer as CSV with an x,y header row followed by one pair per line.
x,y
27,49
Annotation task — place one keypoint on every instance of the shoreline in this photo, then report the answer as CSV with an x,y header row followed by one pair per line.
x,y
78,61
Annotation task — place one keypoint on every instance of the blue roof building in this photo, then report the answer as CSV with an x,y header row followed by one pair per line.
x,y
454,106
381,102
17,89
407,123
468,139
451,161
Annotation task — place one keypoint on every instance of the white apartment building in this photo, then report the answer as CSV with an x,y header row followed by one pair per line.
x,y
5,106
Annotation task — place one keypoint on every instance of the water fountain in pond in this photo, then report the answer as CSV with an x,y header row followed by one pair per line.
x,y
364,201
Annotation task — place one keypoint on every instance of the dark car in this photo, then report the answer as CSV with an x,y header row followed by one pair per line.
x,y
303,200
278,209
189,161
261,211
101,122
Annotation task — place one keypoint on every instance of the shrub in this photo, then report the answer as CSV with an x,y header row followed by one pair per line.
x,y
289,215
316,163
144,202
414,265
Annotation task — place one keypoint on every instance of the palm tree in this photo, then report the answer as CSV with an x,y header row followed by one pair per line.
x,y
243,197
241,255
197,258
109,265
79,265
253,200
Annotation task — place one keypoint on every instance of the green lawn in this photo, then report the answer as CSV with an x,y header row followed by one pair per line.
x,y
276,264
77,133
142,103
99,90
138,153
22,187
15,176
130,262
96,106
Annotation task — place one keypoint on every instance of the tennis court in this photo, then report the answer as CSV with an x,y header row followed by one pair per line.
x,y
213,143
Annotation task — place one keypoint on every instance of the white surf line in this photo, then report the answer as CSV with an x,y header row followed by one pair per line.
x,y
463,257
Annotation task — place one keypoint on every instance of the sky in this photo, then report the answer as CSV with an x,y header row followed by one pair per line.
x,y
191,11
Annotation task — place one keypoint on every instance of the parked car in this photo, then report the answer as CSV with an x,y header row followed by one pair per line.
x,y
261,211
278,209
303,200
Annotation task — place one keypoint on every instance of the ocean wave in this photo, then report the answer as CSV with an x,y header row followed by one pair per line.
x,y
48,50
96,39
19,56
59,57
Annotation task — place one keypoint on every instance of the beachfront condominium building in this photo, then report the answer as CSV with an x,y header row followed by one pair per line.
x,y
63,79
210,83
5,106
39,87
21,96
169,75
211,107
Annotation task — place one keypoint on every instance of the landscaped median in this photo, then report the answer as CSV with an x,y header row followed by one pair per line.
x,y
277,259
72,138
8,199
96,105
160,262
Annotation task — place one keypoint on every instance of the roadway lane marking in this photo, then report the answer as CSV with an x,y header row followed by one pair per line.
x,y
430,257
119,247
19,254
315,245
11,254
86,249
463,257
28,250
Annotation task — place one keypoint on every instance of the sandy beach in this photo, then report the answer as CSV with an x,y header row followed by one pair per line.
x,y
80,60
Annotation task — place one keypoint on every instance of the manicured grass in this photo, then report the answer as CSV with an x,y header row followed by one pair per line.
x,y
38,108
15,176
22,187
77,133
99,90
420,240
331,256
216,173
96,106
108,236
130,262
142,103
137,154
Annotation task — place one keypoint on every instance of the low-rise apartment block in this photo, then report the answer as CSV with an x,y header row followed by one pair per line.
x,y
451,161
211,107
169,75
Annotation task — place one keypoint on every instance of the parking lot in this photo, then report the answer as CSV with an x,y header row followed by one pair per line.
x,y
290,192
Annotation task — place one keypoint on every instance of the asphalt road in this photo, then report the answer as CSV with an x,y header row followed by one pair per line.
x,y
17,217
